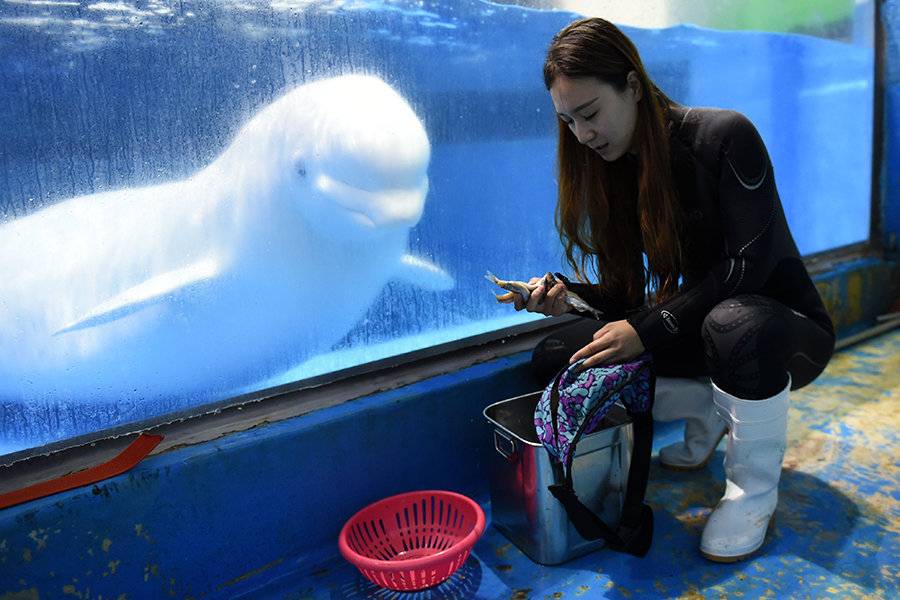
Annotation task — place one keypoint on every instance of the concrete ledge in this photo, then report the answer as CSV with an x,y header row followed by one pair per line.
x,y
857,291
252,505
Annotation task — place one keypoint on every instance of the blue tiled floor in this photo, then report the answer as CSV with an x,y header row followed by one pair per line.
x,y
837,531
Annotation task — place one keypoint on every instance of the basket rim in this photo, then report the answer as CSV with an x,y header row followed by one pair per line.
x,y
464,546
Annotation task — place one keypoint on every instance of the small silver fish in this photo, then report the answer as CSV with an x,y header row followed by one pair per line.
x,y
525,289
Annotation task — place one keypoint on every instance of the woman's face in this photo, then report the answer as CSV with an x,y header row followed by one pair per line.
x,y
600,116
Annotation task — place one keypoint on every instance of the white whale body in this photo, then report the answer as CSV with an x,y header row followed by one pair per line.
x,y
266,257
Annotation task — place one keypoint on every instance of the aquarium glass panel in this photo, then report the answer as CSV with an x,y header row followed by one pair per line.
x,y
203,199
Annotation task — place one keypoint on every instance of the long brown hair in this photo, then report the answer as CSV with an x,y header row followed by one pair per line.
x,y
613,210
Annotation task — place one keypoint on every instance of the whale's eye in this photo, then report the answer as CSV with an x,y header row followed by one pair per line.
x,y
301,169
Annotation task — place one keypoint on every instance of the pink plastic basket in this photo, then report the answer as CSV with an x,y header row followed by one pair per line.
x,y
412,541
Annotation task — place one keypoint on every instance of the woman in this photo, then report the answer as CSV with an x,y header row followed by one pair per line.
x,y
692,190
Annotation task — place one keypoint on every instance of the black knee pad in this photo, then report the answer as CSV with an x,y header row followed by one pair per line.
x,y
548,359
743,339
552,354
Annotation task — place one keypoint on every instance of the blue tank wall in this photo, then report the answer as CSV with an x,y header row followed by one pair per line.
x,y
93,101
214,518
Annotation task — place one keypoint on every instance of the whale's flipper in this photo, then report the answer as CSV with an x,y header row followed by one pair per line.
x,y
424,274
145,294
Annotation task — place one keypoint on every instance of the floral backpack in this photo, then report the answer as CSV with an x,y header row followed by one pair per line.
x,y
573,405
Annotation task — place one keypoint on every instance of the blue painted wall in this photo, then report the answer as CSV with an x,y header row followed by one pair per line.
x,y
200,520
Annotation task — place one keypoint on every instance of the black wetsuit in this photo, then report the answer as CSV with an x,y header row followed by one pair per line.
x,y
748,312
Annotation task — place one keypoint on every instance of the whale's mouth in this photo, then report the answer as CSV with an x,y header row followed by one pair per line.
x,y
377,209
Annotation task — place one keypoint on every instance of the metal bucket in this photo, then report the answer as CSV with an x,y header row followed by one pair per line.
x,y
522,507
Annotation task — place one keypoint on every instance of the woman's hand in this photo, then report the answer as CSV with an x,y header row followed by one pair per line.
x,y
616,342
550,302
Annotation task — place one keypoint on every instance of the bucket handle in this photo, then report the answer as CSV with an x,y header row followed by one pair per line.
x,y
506,446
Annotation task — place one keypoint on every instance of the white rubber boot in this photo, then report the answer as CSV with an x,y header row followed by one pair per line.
x,y
756,444
691,400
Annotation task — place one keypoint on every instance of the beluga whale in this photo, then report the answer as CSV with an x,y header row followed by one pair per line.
x,y
263,259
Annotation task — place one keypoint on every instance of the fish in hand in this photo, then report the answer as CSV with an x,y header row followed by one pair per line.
x,y
525,289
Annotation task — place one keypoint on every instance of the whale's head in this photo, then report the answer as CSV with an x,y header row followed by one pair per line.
x,y
360,164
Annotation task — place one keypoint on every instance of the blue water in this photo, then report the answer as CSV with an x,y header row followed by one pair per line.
x,y
99,96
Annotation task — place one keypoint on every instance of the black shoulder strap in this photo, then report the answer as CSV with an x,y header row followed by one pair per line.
x,y
634,534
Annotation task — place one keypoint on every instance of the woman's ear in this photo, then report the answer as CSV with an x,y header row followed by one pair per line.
x,y
634,84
